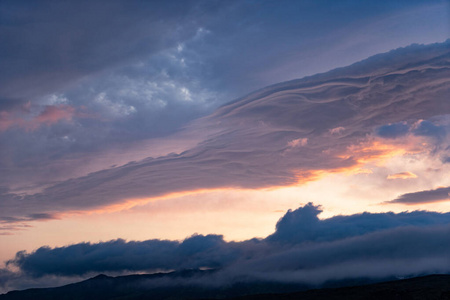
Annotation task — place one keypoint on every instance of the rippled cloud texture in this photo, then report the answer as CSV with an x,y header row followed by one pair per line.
x,y
75,87
279,136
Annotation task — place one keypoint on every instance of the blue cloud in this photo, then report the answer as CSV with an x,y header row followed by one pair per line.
x,y
392,131
303,249
119,255
303,225
429,129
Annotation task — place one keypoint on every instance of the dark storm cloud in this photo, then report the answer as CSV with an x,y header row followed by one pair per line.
x,y
406,251
5,276
113,65
303,224
255,141
429,196
49,44
303,249
118,255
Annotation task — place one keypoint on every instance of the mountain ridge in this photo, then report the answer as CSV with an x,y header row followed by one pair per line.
x,y
132,287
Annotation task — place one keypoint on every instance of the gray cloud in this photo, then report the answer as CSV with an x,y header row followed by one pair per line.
x,y
249,142
52,44
303,249
397,252
429,196
113,256
303,225
10,225
113,63
133,70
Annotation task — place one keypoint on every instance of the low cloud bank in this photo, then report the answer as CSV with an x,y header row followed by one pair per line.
x,y
303,249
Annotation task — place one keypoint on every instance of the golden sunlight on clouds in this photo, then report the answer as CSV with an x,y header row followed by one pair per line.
x,y
402,175
241,214
362,187
374,150
369,154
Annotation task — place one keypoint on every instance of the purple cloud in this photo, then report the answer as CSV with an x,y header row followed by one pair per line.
x,y
429,196
248,141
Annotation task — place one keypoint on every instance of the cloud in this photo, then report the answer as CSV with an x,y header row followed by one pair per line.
x,y
303,249
429,196
393,131
39,57
119,71
118,255
121,75
428,129
298,143
52,114
421,128
10,225
135,66
5,277
246,140
337,130
303,225
406,251
402,175
32,120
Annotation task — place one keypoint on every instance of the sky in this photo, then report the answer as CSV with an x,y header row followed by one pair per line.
x,y
218,130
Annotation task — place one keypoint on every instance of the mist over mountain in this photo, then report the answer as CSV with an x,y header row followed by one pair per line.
x,y
135,287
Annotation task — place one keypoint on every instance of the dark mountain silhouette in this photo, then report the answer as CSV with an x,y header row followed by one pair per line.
x,y
134,287
430,287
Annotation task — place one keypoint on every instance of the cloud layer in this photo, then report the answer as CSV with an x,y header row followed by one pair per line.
x,y
430,196
48,57
94,98
251,142
303,249
131,71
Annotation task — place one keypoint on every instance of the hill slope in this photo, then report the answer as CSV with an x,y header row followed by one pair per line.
x,y
133,287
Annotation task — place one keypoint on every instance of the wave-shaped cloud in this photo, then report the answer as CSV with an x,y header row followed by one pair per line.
x,y
249,142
